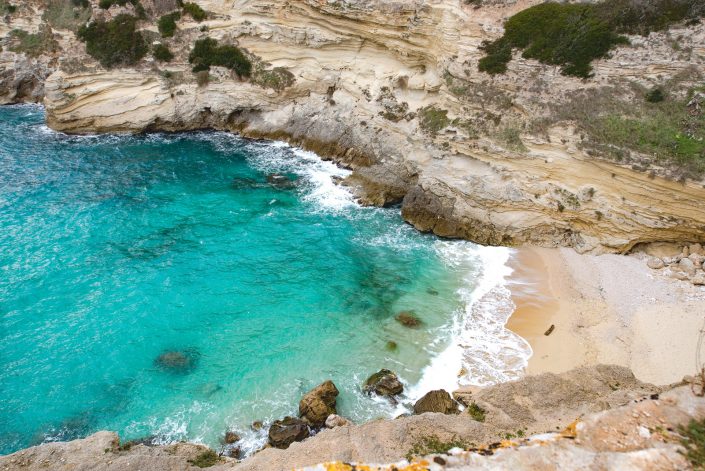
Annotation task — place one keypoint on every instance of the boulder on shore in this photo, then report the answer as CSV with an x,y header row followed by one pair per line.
x,y
436,401
383,383
286,431
318,404
334,420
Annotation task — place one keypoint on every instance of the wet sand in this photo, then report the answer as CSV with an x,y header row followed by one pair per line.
x,y
605,309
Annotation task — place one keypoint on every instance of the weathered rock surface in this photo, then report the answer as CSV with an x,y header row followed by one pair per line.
x,y
383,383
334,420
436,401
286,431
318,404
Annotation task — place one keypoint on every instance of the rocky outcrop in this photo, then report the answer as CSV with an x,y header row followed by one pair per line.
x,y
383,383
334,420
436,401
609,418
318,404
686,264
286,431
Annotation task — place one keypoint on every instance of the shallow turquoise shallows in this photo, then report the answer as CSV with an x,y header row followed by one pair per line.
x,y
163,286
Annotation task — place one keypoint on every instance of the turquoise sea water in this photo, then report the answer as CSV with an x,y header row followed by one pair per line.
x,y
117,249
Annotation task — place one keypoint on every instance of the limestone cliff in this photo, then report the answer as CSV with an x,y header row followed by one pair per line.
x,y
391,89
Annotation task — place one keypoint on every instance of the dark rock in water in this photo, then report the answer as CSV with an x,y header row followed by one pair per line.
x,y
284,432
436,401
257,425
239,183
230,437
280,181
432,292
318,404
178,361
383,383
234,452
408,319
391,346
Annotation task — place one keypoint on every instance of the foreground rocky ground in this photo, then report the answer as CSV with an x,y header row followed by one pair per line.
x,y
392,90
589,418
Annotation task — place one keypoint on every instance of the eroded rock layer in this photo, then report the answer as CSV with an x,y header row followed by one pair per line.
x,y
392,90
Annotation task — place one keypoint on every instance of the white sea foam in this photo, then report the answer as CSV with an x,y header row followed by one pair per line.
x,y
481,346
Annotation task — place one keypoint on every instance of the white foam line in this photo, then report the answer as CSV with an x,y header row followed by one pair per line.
x,y
481,346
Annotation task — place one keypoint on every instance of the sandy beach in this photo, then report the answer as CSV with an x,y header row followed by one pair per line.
x,y
605,309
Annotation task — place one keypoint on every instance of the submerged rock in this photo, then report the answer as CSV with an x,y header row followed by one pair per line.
x,y
383,383
319,403
257,425
230,437
436,401
178,361
408,319
391,346
286,431
280,181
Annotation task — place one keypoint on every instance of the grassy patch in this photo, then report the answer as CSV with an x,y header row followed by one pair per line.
x,y
67,14
195,11
206,53
433,445
114,43
694,443
511,138
33,45
433,119
162,53
277,78
477,412
167,24
572,35
205,460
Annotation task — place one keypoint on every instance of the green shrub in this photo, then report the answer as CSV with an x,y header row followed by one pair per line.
x,y
33,45
432,119
7,8
433,445
205,460
694,443
162,53
477,412
655,95
196,12
572,35
167,24
113,43
206,53
67,14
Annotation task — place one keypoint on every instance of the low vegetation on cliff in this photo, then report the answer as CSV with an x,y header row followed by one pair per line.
x,y
33,45
195,11
572,35
167,24
67,14
114,43
207,52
